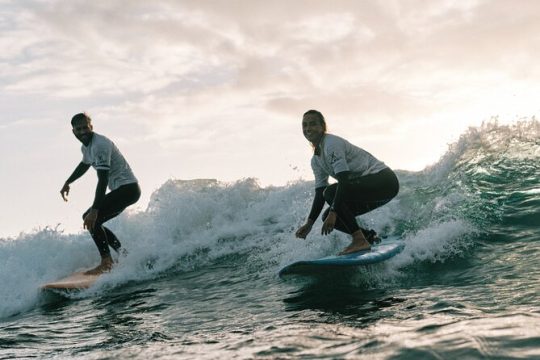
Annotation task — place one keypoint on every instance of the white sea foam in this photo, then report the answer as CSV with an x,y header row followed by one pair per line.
x,y
190,224
33,259
436,243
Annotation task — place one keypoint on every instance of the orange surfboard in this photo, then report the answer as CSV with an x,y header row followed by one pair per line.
x,y
76,281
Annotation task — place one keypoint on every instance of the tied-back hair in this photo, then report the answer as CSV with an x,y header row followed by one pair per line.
x,y
320,116
80,117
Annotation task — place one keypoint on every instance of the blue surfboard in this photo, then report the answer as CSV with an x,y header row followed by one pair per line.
x,y
378,253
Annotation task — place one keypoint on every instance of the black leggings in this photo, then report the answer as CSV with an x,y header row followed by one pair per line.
x,y
113,204
365,193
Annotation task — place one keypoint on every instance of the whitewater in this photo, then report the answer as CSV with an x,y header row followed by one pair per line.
x,y
200,278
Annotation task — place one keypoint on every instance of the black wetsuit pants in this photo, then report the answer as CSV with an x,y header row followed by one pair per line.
x,y
364,193
113,204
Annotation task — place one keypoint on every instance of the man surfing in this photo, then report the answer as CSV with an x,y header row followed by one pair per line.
x,y
112,171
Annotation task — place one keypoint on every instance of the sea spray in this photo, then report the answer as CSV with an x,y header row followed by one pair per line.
x,y
487,182
31,260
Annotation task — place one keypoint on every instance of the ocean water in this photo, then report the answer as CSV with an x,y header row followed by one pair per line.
x,y
200,279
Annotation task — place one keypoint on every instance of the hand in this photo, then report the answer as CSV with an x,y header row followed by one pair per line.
x,y
90,220
304,230
329,223
65,191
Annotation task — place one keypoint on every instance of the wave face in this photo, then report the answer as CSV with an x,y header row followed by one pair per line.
x,y
481,197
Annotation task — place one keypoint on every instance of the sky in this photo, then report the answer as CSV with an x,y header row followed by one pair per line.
x,y
217,89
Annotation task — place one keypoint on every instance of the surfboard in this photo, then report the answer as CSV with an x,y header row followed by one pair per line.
x,y
76,281
378,253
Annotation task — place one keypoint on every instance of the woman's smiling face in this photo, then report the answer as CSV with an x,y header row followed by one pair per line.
x,y
312,128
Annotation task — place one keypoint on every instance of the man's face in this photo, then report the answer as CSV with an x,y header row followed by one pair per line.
x,y
83,131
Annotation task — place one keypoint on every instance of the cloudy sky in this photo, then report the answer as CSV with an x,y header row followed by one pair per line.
x,y
216,89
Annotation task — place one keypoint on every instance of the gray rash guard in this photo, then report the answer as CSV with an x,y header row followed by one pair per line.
x,y
337,155
102,154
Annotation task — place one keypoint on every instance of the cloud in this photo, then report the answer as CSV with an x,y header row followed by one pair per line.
x,y
100,49
216,89
206,59
182,64
134,46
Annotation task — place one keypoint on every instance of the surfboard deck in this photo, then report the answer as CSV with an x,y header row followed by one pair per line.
x,y
378,253
75,281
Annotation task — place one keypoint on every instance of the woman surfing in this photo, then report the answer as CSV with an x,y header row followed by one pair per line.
x,y
364,183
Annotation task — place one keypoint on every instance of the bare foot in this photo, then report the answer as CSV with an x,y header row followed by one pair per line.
x,y
358,243
105,266
352,248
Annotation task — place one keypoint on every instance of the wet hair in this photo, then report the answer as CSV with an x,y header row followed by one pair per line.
x,y
80,117
320,116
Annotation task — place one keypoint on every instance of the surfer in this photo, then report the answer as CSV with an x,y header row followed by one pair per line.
x,y
113,171
363,184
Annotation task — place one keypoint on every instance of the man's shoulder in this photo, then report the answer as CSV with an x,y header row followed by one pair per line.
x,y
100,137
101,140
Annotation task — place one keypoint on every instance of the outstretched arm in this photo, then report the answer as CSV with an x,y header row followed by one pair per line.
x,y
316,207
79,171
101,187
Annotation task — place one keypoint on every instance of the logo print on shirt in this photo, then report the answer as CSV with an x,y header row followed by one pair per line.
x,y
333,158
101,159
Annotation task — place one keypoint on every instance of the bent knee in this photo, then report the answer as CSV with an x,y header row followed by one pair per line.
x,y
329,193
